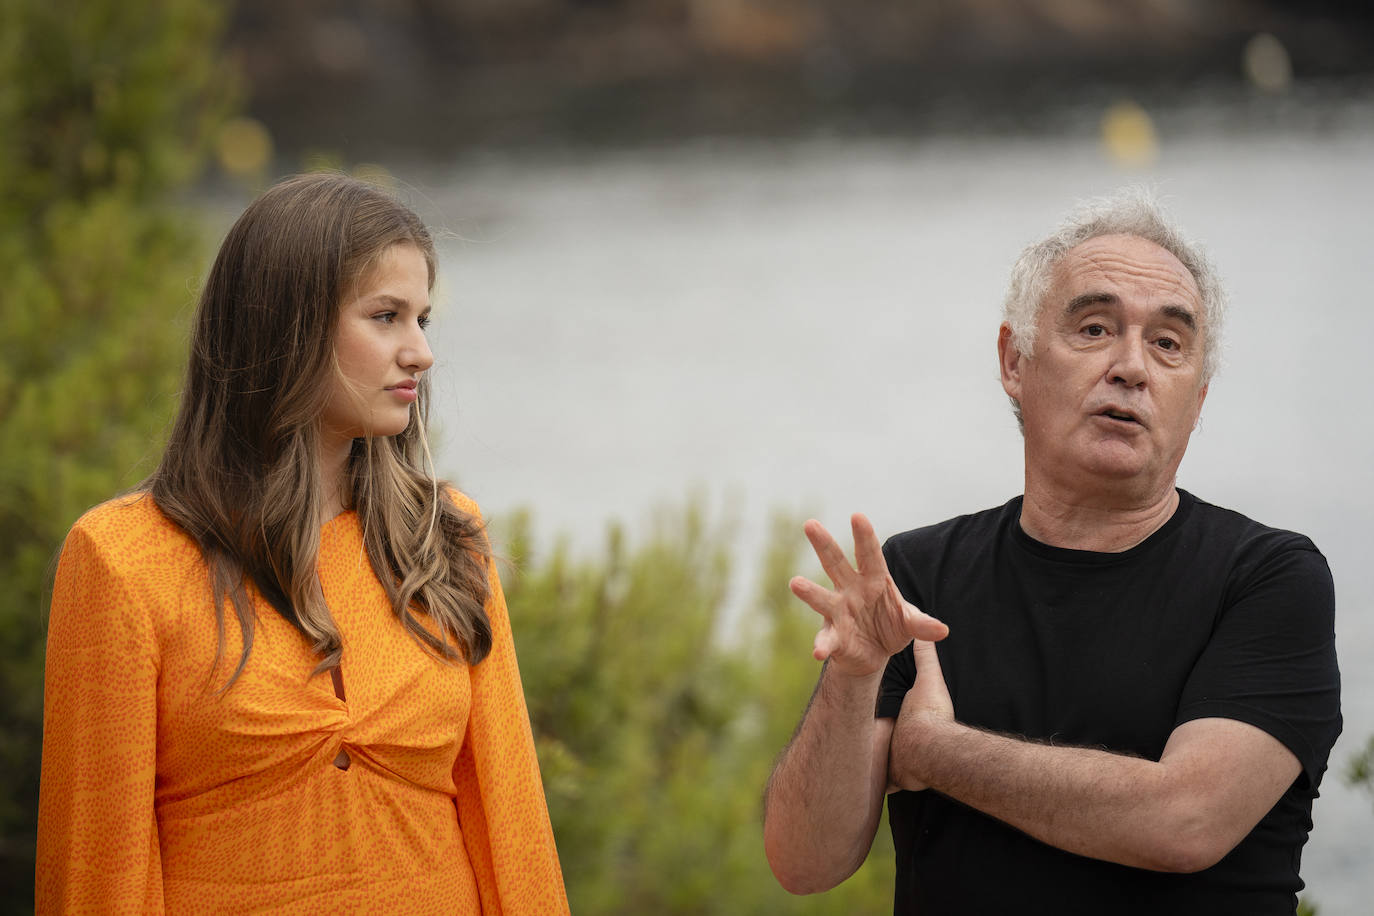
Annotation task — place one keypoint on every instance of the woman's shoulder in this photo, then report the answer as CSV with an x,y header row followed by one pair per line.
x,y
465,504
125,569
132,528
471,523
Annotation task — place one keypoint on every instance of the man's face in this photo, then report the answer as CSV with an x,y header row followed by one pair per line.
x,y
1114,386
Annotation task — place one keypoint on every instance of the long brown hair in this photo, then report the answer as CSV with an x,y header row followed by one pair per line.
x,y
241,470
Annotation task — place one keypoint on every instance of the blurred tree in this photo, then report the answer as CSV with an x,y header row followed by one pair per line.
x,y
1360,769
655,740
105,108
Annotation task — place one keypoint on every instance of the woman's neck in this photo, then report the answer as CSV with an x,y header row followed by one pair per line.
x,y
333,465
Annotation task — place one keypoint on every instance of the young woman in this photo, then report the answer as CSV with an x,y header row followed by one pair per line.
x,y
280,675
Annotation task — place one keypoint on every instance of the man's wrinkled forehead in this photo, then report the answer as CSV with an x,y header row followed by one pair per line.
x,y
1099,270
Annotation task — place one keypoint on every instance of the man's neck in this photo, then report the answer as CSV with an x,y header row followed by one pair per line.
x,y
1080,522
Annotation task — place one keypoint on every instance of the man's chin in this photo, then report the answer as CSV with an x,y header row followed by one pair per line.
x,y
1115,461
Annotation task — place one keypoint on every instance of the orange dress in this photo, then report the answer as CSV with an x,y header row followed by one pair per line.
x,y
161,795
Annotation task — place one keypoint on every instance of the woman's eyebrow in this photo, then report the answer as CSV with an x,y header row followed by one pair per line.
x,y
399,302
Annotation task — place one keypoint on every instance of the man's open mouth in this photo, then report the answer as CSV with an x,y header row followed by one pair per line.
x,y
1119,415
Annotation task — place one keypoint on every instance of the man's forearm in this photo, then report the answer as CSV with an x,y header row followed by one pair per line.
x,y
1181,813
1072,798
824,799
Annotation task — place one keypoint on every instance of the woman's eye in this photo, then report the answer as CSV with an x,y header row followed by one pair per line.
x,y
384,317
423,321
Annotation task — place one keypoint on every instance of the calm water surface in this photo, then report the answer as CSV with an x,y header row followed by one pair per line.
x,y
811,328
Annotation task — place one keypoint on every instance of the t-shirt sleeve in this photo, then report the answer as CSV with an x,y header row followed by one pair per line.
x,y
500,796
898,677
1271,660
900,673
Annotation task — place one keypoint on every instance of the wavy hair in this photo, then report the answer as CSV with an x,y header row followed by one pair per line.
x,y
241,469
1130,211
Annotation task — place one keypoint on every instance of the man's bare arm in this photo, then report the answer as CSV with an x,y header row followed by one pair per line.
x,y
824,799
1214,782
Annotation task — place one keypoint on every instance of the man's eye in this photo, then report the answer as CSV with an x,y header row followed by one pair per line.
x,y
1167,343
1094,330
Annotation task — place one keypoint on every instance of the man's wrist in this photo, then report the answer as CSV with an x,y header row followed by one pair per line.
x,y
939,739
841,688
921,748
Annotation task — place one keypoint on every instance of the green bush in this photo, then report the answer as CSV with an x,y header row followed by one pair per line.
x,y
1359,771
105,109
654,738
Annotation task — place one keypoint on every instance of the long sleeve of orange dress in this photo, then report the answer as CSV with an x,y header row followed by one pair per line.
x,y
160,793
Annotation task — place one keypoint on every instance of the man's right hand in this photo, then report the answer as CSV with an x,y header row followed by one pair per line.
x,y
866,618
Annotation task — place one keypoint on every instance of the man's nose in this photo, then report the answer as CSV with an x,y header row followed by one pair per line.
x,y
1128,361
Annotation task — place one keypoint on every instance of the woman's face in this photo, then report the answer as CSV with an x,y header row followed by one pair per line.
x,y
381,349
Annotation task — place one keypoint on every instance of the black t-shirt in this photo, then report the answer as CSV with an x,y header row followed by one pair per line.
x,y
1212,615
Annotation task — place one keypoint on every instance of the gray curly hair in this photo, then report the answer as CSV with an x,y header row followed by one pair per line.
x,y
1130,211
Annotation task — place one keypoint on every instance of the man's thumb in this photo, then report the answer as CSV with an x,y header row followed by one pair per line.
x,y
922,627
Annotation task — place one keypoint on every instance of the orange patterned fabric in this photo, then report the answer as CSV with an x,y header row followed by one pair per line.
x,y
161,795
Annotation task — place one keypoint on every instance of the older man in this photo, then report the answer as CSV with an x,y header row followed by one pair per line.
x,y
1134,692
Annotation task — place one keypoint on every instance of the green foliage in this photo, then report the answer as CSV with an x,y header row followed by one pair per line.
x,y
1359,770
104,95
105,109
656,740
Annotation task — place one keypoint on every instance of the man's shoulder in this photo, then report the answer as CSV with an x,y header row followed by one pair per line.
x,y
972,526
1241,533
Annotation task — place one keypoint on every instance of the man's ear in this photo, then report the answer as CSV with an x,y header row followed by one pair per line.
x,y
1010,360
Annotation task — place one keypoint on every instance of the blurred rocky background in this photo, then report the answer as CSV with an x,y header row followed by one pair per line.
x,y
436,76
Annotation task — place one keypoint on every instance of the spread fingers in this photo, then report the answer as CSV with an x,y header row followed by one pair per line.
x,y
833,560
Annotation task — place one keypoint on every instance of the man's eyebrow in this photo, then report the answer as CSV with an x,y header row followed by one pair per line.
x,y
1088,300
1182,314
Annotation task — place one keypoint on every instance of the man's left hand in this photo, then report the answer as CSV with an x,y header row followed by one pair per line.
x,y
927,706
